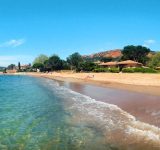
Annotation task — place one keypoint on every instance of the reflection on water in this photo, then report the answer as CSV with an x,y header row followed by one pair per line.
x,y
38,114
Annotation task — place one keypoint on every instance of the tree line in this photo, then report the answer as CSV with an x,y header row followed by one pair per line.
x,y
76,62
55,63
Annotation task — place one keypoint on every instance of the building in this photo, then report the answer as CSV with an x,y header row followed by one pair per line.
x,y
122,64
129,63
109,64
24,67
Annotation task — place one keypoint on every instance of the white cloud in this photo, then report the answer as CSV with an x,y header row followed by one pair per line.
x,y
13,43
148,43
7,60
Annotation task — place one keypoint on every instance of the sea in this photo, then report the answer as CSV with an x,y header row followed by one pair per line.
x,y
42,114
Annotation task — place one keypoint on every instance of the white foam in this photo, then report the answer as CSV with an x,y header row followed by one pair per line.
x,y
149,134
107,116
155,113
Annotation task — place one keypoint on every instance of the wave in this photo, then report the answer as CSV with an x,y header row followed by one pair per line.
x,y
118,127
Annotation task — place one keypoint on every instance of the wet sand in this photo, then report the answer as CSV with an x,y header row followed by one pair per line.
x,y
144,107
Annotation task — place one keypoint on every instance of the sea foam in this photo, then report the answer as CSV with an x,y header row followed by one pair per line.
x,y
118,127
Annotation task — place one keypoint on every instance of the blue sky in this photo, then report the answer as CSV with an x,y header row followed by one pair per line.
x,y
32,27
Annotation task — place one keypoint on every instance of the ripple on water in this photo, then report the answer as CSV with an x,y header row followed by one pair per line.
x,y
41,115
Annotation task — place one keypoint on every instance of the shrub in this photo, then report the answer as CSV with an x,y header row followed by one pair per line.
x,y
101,70
150,70
141,70
87,66
145,70
154,60
128,70
114,70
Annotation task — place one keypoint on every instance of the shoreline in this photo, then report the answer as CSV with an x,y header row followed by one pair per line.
x,y
100,122
140,102
151,89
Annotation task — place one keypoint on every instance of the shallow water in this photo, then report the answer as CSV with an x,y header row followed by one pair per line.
x,y
38,114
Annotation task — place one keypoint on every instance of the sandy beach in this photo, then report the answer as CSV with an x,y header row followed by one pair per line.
x,y
137,82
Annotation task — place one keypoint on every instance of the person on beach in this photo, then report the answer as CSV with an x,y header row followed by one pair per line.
x,y
89,76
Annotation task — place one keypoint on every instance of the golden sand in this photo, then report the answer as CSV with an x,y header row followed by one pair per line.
x,y
138,82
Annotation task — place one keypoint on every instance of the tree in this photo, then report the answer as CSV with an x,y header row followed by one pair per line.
x,y
4,71
38,66
65,65
87,66
106,59
47,66
135,53
74,60
40,59
11,67
54,63
154,61
19,66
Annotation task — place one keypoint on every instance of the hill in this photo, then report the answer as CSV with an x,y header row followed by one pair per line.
x,y
114,54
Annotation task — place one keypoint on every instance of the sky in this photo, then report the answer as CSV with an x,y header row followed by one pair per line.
x,y
32,27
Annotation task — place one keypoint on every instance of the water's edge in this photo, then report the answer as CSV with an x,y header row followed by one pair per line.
x,y
114,122
40,114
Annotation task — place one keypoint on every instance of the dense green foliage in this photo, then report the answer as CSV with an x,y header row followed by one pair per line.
x,y
155,61
78,63
87,66
2,69
11,67
145,70
135,53
38,66
74,60
54,63
101,70
140,70
128,70
65,65
112,70
40,59
19,66
106,59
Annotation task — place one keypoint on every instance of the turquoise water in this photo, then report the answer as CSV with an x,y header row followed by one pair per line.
x,y
39,114
32,117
